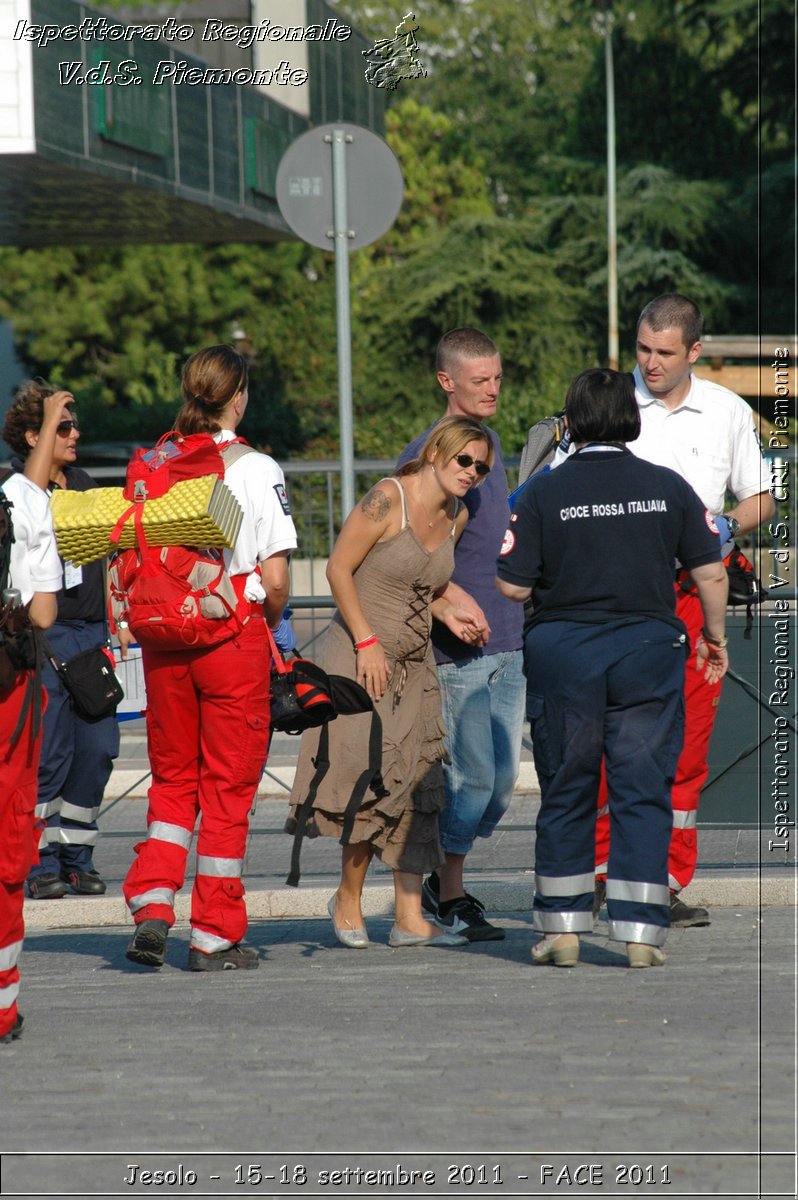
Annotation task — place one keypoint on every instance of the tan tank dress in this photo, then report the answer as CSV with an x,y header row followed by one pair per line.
x,y
395,584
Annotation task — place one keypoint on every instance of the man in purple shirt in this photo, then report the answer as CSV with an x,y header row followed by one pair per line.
x,y
482,686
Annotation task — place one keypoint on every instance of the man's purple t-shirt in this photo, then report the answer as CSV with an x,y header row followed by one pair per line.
x,y
475,562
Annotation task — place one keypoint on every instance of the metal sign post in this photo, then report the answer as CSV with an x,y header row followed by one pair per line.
x,y
340,187
341,234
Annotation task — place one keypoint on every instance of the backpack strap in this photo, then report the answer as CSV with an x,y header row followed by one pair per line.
x,y
232,451
322,765
350,698
33,693
370,778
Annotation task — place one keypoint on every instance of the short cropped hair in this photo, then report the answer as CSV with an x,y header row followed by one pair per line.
x,y
674,312
601,407
447,438
26,412
462,343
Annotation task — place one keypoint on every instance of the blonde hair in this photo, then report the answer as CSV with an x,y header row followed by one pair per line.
x,y
448,438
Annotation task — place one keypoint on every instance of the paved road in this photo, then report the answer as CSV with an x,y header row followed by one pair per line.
x,y
473,1053
484,1074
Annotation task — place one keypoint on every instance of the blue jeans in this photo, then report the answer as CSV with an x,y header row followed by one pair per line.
x,y
483,710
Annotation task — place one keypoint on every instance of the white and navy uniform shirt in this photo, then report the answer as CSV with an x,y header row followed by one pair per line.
x,y
596,539
35,565
258,484
710,440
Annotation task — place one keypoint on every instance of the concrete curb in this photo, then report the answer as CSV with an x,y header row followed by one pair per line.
x,y
133,782
506,895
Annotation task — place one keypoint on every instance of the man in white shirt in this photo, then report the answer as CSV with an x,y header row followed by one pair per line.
x,y
705,433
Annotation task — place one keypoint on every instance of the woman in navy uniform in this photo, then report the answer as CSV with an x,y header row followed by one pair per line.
x,y
594,544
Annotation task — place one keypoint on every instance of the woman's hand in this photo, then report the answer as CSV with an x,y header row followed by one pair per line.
x,y
373,671
713,660
39,461
126,640
53,406
465,625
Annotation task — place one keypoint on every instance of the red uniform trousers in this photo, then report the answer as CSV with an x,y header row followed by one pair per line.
x,y
208,736
701,706
19,771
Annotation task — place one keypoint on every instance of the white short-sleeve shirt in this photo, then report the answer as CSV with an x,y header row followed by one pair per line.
x,y
35,565
258,484
710,440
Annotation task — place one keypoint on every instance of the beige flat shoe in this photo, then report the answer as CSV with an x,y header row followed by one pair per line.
x,y
641,955
562,949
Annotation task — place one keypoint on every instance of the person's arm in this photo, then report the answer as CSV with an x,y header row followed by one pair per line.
x,y
457,609
378,515
513,591
752,512
43,609
40,459
275,578
457,597
713,589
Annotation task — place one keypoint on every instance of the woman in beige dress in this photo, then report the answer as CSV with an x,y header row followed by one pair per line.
x,y
389,566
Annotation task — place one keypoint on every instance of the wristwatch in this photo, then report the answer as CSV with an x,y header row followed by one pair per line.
x,y
734,526
721,643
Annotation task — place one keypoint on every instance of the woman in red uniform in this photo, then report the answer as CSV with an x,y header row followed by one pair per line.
x,y
208,708
34,572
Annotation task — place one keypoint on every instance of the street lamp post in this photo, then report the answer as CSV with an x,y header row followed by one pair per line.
x,y
607,20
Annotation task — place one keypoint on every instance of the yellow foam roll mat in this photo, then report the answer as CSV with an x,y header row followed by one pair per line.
x,y
195,512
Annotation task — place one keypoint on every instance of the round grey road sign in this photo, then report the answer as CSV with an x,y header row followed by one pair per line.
x,y
374,185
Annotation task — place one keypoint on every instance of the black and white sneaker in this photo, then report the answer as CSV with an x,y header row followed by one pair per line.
x,y
431,894
466,915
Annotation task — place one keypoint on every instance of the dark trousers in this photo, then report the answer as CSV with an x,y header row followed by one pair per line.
x,y
76,762
613,691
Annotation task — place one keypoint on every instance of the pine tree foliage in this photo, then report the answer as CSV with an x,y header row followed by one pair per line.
x,y
503,225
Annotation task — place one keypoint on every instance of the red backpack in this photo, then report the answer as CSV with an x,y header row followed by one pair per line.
x,y
175,597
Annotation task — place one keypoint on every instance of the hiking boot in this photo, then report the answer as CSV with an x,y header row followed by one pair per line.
x,y
84,883
149,943
683,916
46,887
15,1031
235,958
466,915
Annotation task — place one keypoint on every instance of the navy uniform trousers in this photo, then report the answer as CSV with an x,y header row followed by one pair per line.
x,y
76,762
614,691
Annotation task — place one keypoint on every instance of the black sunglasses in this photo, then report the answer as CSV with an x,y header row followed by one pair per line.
x,y
64,428
465,461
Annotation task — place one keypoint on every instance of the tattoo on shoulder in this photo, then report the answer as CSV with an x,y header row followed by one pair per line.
x,y
375,504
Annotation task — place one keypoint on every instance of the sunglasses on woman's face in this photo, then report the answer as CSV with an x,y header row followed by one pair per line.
x,y
64,428
465,461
